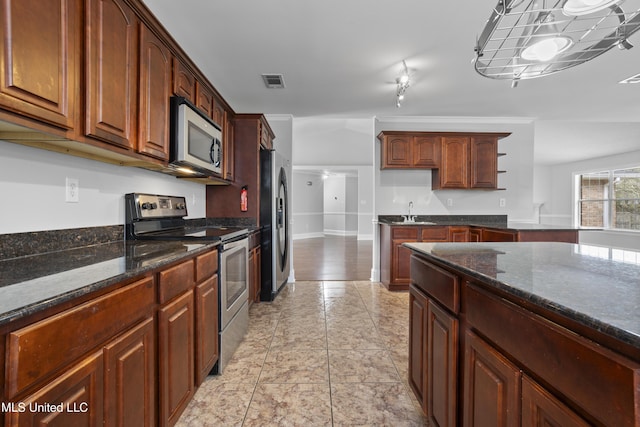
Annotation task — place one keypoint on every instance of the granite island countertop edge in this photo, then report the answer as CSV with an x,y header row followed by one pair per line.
x,y
597,324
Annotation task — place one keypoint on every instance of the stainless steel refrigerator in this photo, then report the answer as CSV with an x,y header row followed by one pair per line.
x,y
274,220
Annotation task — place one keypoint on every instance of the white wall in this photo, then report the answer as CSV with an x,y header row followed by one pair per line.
x,y
340,205
308,214
555,186
32,184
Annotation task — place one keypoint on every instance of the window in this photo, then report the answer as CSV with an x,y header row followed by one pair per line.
x,y
610,199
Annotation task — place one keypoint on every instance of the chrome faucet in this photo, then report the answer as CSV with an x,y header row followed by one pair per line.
x,y
409,218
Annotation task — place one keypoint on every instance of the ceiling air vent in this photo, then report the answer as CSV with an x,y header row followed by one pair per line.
x,y
632,79
273,81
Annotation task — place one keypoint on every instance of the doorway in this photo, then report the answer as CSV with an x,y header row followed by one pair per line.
x,y
332,258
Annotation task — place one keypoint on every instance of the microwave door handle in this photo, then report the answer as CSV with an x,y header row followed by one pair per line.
x,y
213,153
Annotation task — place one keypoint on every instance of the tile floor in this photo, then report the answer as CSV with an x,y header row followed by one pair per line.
x,y
322,354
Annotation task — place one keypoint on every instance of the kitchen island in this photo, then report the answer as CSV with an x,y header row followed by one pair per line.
x,y
525,333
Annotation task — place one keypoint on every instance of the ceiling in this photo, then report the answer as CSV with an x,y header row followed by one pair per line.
x,y
340,58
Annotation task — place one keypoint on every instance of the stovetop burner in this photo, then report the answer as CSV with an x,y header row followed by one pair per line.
x,y
156,217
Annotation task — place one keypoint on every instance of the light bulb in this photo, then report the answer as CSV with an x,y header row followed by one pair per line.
x,y
546,49
584,7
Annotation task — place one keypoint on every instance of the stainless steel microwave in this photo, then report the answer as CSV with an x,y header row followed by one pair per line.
x,y
196,141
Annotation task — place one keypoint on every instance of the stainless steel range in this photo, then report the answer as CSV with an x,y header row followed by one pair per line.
x,y
156,217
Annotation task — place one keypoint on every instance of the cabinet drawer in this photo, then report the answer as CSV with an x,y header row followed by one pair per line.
x,y
498,236
435,234
579,370
439,284
36,351
206,265
175,280
404,233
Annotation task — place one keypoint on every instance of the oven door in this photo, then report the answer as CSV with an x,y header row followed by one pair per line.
x,y
234,279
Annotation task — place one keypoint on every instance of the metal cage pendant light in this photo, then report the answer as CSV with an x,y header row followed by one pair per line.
x,y
525,39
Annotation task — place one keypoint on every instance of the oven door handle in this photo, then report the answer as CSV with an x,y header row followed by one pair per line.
x,y
227,246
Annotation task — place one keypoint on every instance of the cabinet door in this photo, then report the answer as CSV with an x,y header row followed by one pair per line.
x,y
541,409
442,366
426,151
207,350
218,112
475,234
401,259
459,234
175,357
434,234
491,386
418,344
111,72
484,162
184,82
80,392
204,100
130,378
454,165
39,51
498,236
397,151
155,87
228,135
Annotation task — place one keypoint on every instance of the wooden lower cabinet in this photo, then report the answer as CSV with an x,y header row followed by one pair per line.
x,y
442,366
491,393
175,357
503,347
80,392
541,409
418,344
206,326
130,377
254,275
433,350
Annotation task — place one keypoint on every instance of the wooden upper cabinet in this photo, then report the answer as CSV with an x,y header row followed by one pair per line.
x,y
426,151
454,170
155,91
409,150
468,161
484,162
40,55
204,100
184,82
218,112
396,151
228,136
111,72
458,160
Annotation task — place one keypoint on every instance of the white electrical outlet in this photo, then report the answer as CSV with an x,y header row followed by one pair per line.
x,y
503,203
72,190
449,202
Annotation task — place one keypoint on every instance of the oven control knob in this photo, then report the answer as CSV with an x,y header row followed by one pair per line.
x,y
180,206
149,205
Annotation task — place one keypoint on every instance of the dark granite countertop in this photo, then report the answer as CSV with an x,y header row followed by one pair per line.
x,y
29,284
596,286
498,222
